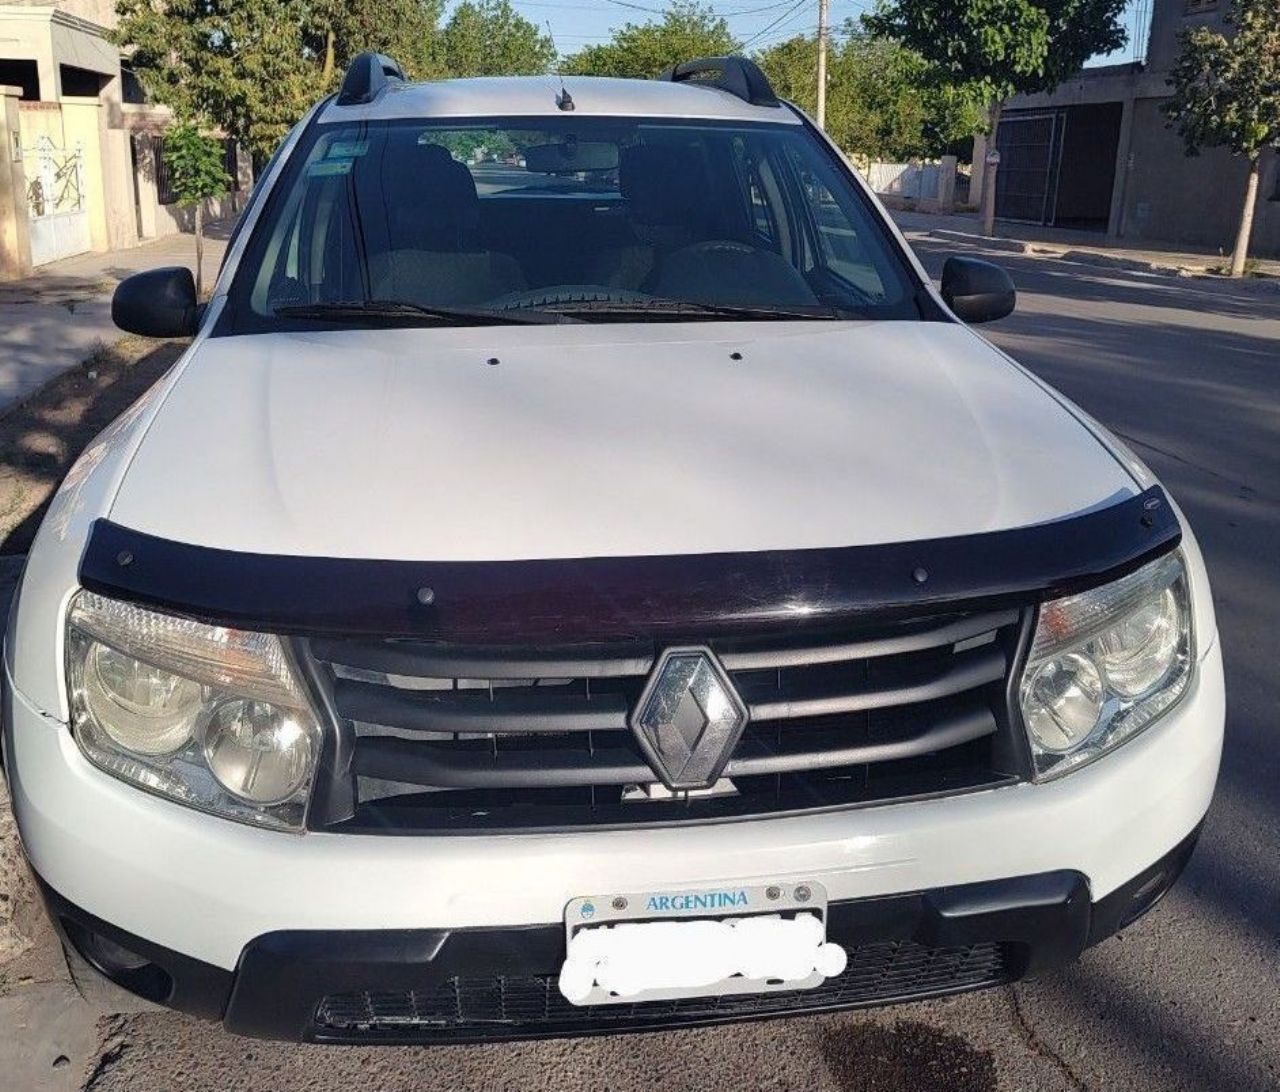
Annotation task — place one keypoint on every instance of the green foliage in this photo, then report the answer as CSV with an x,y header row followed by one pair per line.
x,y
1226,89
881,101
643,50
253,69
195,164
336,30
237,66
995,48
490,38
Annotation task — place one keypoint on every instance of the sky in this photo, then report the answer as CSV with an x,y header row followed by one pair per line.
x,y
756,23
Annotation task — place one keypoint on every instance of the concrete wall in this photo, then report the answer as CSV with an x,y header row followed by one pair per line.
x,y
1193,201
1168,19
24,36
1160,194
158,220
15,239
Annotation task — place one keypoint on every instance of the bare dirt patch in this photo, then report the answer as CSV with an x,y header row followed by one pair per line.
x,y
40,439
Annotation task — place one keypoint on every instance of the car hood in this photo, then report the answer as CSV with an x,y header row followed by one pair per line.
x,y
605,440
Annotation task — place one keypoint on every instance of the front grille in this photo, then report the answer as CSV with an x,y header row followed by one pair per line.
x,y
451,736
533,1005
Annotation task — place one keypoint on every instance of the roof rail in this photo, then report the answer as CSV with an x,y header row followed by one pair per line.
x,y
737,75
367,75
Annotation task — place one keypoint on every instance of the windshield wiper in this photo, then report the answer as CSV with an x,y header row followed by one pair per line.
x,y
691,309
400,312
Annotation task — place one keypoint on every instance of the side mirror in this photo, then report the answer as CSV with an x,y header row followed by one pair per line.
x,y
977,291
157,303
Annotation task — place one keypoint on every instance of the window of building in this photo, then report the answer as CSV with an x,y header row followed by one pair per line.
x,y
80,82
22,74
164,177
231,164
1197,7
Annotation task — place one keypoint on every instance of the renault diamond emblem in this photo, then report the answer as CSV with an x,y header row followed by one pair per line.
x,y
689,718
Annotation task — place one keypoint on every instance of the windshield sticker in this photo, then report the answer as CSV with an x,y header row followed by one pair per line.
x,y
347,149
329,167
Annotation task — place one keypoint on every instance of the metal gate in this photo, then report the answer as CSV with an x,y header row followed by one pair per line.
x,y
1027,178
56,201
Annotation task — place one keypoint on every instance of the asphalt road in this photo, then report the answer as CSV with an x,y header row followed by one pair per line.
x,y
1189,373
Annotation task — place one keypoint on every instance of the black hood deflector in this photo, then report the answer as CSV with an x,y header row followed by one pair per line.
x,y
587,598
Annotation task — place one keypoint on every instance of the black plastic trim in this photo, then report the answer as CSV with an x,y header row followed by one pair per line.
x,y
737,75
367,77
197,988
708,594
443,766
282,976
963,672
1130,901
479,710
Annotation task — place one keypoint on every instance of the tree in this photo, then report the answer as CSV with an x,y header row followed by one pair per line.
x,y
643,50
237,67
252,70
196,174
995,48
1001,47
1226,92
408,30
490,38
881,102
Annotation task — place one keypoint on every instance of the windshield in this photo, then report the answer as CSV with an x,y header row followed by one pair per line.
x,y
565,220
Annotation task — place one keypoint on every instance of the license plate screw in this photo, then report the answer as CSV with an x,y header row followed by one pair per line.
x,y
773,893
803,893
619,903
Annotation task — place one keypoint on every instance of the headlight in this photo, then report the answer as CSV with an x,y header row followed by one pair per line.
x,y
210,716
1105,664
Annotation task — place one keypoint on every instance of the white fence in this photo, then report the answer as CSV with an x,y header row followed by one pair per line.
x,y
926,182
918,180
55,201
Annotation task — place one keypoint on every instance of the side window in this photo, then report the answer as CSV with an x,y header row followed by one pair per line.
x,y
839,248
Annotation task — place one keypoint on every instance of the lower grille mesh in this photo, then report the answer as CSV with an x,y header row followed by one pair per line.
x,y
517,1006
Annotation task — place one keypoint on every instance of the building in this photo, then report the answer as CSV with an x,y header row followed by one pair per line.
x,y
1097,154
83,164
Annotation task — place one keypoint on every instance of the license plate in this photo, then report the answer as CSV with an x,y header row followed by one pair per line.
x,y
662,945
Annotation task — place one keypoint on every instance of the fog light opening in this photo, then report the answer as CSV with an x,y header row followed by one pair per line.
x,y
1146,897
119,964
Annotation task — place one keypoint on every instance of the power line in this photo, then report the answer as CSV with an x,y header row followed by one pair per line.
x,y
786,15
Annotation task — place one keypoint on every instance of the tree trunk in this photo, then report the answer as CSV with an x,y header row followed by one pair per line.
x,y
199,249
326,73
1241,253
989,171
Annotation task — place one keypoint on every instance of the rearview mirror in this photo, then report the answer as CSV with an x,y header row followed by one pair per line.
x,y
569,156
977,291
157,303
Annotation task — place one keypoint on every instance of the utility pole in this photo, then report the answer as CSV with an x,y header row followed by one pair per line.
x,y
822,63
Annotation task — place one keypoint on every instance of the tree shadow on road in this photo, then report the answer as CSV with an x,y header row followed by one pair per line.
x,y
907,1055
40,439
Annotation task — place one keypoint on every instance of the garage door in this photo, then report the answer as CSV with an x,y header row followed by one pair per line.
x,y
1025,180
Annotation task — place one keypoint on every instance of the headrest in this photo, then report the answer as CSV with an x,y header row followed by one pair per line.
x,y
664,183
439,178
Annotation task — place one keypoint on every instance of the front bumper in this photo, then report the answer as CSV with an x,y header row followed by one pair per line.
x,y
469,985
219,899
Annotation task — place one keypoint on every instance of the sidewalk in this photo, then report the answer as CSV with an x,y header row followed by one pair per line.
x,y
55,319
1092,248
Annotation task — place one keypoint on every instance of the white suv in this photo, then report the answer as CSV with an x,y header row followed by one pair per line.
x,y
584,577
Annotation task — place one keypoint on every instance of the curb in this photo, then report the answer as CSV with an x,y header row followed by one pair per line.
x,y
1014,246
1081,257
1136,265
